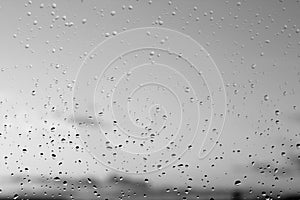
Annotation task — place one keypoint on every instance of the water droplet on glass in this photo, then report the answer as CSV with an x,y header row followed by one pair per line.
x,y
187,89
237,182
53,5
266,97
113,13
16,196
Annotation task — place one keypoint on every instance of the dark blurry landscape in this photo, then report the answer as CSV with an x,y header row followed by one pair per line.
x,y
118,187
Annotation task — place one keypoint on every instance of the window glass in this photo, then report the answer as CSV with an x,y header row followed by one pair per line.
x,y
149,99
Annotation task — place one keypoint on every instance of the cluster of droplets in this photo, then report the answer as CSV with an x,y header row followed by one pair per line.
x,y
49,31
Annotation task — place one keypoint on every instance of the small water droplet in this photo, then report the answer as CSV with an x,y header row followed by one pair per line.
x,y
237,182
266,97
187,89
113,13
53,5
16,196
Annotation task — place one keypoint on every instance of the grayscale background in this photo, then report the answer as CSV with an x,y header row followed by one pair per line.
x,y
44,46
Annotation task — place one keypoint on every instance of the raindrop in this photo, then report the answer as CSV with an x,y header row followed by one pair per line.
x,y
157,109
53,5
16,196
237,182
113,13
187,89
253,66
266,97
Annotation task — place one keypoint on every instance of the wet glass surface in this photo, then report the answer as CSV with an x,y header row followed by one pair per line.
x,y
149,99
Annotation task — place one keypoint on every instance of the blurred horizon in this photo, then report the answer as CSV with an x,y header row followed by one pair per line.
x,y
116,185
